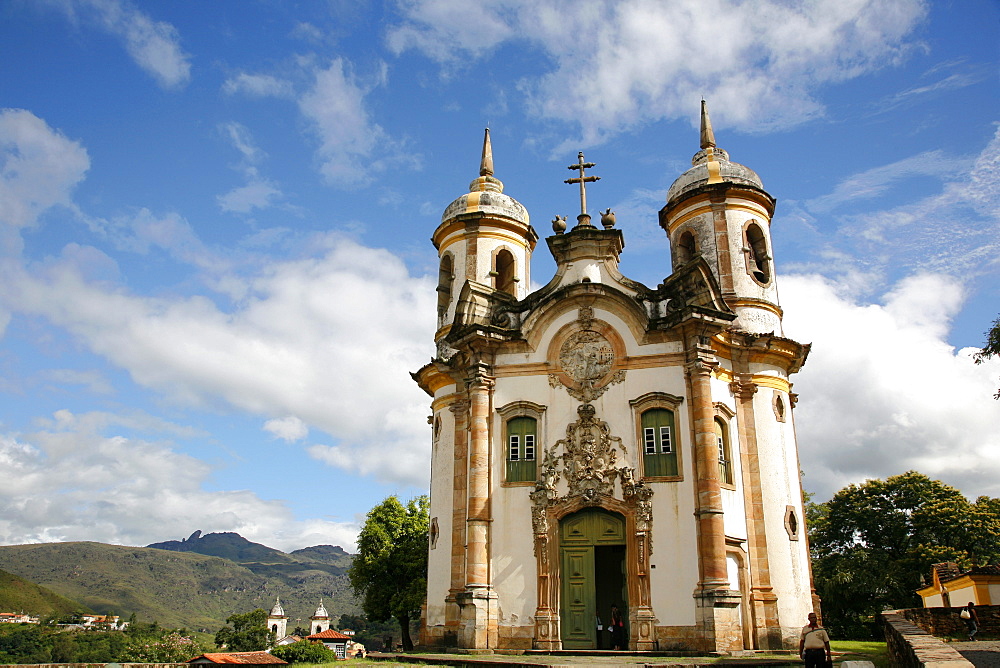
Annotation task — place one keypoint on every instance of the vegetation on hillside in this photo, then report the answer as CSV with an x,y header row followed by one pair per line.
x,y
20,595
389,573
873,545
179,588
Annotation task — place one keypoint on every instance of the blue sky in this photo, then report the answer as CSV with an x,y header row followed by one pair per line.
x,y
215,266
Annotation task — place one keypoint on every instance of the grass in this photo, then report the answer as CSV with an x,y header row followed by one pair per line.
x,y
862,650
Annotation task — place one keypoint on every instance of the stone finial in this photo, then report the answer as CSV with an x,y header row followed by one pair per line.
x,y
486,165
608,219
707,134
559,224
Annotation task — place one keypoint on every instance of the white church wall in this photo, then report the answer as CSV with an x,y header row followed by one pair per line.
x,y
439,558
780,488
672,576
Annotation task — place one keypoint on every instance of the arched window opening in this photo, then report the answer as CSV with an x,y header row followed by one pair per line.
x,y
445,278
503,279
725,453
758,260
521,437
659,450
686,248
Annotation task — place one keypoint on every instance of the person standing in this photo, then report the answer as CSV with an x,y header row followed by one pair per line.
x,y
971,620
617,629
814,645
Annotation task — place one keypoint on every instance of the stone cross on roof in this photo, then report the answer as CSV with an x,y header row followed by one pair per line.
x,y
583,218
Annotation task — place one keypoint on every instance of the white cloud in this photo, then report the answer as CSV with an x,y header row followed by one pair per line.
x,y
757,63
258,85
876,181
883,392
256,194
69,481
287,428
329,339
953,228
153,45
350,141
39,167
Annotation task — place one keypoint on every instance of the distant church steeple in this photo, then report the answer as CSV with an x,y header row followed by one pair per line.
x,y
277,621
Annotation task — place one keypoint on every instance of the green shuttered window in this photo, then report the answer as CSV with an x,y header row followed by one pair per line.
x,y
521,435
659,454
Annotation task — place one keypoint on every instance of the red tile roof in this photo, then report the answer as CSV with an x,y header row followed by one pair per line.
x,y
254,658
329,634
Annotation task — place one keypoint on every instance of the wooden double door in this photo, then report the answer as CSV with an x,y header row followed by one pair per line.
x,y
593,577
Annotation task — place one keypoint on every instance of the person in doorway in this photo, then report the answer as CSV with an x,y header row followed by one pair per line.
x,y
617,629
814,645
971,619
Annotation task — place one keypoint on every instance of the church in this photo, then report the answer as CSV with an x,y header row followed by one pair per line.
x,y
599,443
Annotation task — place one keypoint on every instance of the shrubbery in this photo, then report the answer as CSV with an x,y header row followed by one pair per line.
x,y
146,643
305,652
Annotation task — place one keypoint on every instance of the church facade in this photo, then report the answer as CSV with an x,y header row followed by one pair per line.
x,y
602,443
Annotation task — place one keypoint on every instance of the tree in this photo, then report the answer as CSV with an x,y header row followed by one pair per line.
x,y
991,349
873,543
248,633
389,573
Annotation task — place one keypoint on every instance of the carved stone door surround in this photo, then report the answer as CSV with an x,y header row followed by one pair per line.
x,y
586,460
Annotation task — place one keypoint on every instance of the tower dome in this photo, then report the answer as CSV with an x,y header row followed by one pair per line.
x,y
719,211
486,194
277,610
711,165
485,239
321,611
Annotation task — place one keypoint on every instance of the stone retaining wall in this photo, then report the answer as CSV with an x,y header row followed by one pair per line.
x,y
945,622
912,647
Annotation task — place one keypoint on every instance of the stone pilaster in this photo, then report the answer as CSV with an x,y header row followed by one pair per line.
x,y
717,605
478,627
763,602
708,509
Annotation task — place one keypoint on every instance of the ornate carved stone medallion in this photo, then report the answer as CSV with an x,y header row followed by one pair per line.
x,y
586,361
586,356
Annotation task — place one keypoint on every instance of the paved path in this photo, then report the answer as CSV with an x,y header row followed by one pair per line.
x,y
982,654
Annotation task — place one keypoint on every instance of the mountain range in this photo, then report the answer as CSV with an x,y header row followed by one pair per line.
x,y
195,583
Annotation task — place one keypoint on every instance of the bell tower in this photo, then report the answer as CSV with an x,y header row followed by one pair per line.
x,y
484,237
720,211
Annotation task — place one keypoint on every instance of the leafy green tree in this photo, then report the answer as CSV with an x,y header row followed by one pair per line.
x,y
872,543
248,633
991,349
305,652
389,573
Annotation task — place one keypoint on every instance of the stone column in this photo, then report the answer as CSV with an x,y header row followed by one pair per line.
x,y
478,601
718,606
763,601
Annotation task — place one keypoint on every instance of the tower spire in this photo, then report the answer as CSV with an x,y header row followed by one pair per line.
x,y
707,134
486,165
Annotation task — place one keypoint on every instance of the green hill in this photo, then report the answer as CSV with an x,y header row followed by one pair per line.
x,y
20,595
181,588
